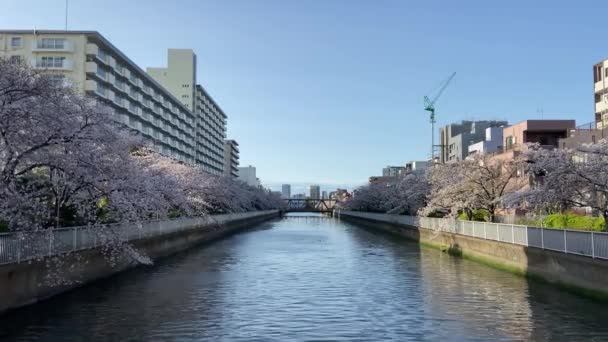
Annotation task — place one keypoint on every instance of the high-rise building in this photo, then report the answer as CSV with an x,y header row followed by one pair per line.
x,y
324,194
91,64
179,77
315,191
600,92
231,158
247,174
286,191
455,138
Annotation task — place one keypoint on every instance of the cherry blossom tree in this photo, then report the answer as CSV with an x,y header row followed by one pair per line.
x,y
568,178
481,182
401,195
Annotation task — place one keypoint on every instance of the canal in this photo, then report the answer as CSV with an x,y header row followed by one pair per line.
x,y
311,278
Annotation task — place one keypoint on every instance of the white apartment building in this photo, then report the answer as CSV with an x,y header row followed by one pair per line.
x,y
89,62
247,174
179,77
231,158
600,92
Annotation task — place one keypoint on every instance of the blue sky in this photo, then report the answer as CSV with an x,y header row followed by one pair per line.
x,y
329,92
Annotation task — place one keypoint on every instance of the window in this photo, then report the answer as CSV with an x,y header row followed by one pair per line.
x,y
52,43
16,42
51,62
509,142
15,59
57,80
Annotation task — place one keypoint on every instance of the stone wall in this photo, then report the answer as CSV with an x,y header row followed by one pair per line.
x,y
579,273
31,281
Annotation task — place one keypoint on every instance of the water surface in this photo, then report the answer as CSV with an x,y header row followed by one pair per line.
x,y
311,278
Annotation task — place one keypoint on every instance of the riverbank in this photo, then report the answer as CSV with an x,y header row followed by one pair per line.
x,y
575,273
27,282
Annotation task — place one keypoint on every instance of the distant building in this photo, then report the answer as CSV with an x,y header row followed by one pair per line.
x,y
393,171
586,134
286,191
339,195
247,174
381,179
299,196
315,191
455,138
600,93
491,144
231,158
324,194
546,133
416,165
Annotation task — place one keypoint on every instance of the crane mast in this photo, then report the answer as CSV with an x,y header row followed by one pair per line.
x,y
429,106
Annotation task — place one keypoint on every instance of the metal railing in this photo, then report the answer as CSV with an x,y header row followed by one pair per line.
x,y
579,242
18,247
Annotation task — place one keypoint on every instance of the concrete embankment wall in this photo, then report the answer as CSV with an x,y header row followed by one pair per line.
x,y
581,274
31,281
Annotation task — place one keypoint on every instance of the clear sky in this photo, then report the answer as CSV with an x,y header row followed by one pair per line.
x,y
330,92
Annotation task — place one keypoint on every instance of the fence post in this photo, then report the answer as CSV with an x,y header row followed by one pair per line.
x,y
592,246
19,248
565,242
485,232
542,237
73,239
51,243
513,234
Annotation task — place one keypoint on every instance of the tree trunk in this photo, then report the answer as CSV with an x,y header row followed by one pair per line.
x,y
605,215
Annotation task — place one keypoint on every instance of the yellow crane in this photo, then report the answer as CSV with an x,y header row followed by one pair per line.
x,y
429,106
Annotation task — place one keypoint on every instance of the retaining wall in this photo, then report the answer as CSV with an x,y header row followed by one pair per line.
x,y
28,282
580,273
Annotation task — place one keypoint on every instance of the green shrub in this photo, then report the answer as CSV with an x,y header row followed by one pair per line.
x,y
566,221
480,215
3,227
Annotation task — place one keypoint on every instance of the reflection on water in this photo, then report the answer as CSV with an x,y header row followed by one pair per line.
x,y
309,277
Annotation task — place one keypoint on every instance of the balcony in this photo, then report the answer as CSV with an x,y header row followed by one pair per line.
x,y
600,86
90,85
65,64
57,45
602,106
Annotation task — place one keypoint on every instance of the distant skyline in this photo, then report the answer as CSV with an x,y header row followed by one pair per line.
x,y
330,92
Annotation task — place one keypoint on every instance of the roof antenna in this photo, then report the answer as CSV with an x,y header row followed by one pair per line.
x,y
66,15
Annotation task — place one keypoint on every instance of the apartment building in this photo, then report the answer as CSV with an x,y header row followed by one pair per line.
x,y
600,92
231,158
455,138
90,63
179,77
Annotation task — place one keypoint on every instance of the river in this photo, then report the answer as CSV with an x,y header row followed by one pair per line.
x,y
309,277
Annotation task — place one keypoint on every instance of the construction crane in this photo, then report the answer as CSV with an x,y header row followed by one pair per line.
x,y
429,106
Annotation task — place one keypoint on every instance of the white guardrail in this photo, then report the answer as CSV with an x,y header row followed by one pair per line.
x,y
18,247
580,242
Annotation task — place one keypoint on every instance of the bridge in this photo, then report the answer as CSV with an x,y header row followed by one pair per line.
x,y
320,205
